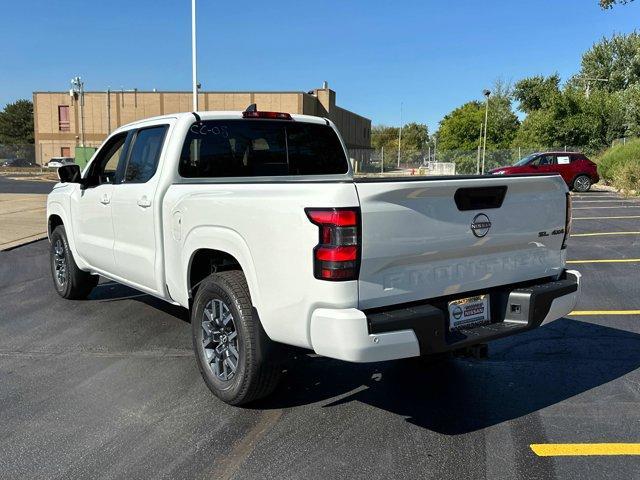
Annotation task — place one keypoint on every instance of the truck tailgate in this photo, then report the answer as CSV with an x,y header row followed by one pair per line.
x,y
418,242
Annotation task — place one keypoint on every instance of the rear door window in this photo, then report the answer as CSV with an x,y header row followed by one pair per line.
x,y
255,148
145,153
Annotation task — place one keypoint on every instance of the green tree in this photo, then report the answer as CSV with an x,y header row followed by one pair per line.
x,y
383,136
610,3
16,123
415,141
612,64
535,93
460,129
630,101
415,137
573,119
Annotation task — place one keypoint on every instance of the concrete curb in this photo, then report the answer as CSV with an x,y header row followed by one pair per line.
x,y
5,247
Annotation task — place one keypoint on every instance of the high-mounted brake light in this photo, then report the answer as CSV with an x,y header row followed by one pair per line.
x,y
567,222
270,115
337,255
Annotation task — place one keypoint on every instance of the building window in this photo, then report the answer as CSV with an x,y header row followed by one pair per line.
x,y
65,151
63,118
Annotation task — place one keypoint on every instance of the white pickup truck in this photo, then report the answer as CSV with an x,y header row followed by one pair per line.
x,y
254,222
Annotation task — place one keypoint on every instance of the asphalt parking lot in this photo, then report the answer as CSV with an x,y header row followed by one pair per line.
x,y
10,185
109,388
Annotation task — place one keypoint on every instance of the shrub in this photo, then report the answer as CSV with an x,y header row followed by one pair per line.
x,y
619,161
627,177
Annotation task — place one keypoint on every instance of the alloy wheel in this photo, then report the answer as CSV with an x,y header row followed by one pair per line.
x,y
582,184
60,262
220,340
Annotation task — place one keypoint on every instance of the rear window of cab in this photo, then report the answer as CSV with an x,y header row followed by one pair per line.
x,y
256,148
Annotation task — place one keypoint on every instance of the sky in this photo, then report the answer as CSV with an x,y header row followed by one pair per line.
x,y
431,56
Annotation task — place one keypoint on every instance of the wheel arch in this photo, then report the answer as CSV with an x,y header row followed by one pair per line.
x,y
221,248
53,222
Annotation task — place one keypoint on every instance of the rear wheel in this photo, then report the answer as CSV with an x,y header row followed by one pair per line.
x,y
69,281
235,357
582,183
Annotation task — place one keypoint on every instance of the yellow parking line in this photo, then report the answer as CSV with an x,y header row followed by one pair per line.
x,y
603,233
606,218
615,260
582,449
577,313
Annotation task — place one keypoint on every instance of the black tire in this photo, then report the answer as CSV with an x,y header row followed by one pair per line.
x,y
69,281
582,183
256,357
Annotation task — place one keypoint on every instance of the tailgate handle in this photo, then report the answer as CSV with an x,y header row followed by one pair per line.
x,y
480,198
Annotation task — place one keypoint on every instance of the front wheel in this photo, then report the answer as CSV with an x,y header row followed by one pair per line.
x,y
69,281
237,360
582,183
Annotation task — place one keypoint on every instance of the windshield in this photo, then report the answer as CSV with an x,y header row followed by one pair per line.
x,y
525,160
254,148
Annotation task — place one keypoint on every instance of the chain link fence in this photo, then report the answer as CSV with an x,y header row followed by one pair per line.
x,y
622,141
447,162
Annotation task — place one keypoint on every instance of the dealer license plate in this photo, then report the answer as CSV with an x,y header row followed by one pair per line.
x,y
466,312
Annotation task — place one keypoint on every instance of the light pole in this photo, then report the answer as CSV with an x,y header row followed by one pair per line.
x,y
400,135
486,93
77,87
194,69
479,148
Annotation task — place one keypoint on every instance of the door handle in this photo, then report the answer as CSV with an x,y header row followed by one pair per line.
x,y
105,200
144,202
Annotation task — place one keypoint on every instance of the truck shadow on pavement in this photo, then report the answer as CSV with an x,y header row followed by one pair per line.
x,y
108,291
523,374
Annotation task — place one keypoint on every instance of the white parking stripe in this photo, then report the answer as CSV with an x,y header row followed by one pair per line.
x,y
594,196
614,206
606,218
618,200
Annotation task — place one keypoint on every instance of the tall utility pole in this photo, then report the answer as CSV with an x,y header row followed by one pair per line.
x,y
486,93
400,135
77,87
435,147
194,69
108,110
479,148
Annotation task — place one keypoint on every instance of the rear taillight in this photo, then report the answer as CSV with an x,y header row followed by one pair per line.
x,y
567,222
337,255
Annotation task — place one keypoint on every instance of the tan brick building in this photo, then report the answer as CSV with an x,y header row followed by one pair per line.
x,y
59,129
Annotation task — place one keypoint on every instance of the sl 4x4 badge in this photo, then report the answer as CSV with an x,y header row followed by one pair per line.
x,y
558,231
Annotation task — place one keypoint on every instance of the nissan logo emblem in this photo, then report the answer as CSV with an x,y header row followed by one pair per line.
x,y
480,225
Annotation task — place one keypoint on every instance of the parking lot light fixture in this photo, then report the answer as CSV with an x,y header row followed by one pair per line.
x,y
194,68
487,94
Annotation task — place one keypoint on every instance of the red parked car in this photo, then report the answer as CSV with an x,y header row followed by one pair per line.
x,y
577,170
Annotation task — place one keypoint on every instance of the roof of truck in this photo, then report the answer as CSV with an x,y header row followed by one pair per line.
x,y
221,115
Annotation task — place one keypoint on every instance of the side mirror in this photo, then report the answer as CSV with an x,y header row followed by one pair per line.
x,y
69,174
